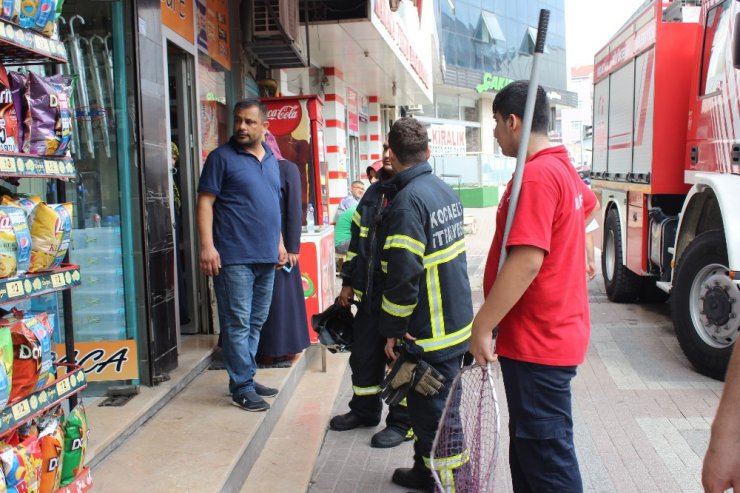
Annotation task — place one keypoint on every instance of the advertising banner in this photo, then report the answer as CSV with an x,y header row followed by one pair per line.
x,y
213,30
353,117
105,360
178,16
447,140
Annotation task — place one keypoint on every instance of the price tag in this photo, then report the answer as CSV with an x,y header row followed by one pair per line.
x,y
42,44
52,167
57,280
21,410
15,289
7,165
63,387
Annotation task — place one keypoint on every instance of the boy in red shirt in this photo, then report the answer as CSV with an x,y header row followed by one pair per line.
x,y
539,299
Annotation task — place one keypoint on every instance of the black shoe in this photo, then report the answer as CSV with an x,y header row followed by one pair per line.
x,y
349,421
265,391
408,477
250,402
390,437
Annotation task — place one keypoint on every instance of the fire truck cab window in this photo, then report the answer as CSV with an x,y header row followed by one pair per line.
x,y
716,41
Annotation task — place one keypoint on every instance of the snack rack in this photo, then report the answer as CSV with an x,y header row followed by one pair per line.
x,y
20,46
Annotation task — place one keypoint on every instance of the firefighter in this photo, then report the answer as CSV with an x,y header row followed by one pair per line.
x,y
367,359
425,304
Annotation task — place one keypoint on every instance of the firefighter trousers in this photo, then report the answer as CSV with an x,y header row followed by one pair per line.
x,y
367,362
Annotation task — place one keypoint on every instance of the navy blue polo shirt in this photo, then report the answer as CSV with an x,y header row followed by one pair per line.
x,y
246,213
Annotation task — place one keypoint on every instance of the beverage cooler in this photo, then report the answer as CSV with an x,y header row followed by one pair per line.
x,y
298,126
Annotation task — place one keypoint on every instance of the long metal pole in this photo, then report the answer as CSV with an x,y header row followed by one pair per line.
x,y
521,157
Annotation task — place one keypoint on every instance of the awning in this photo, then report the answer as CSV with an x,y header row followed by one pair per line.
x,y
492,26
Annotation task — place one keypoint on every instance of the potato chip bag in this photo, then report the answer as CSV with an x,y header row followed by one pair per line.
x,y
6,365
48,119
18,82
42,331
30,450
10,10
27,360
19,465
52,446
15,242
50,231
75,444
8,116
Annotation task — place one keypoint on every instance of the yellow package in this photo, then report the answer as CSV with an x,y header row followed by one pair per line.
x,y
8,246
51,226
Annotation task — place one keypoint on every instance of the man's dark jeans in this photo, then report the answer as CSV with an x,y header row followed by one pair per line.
x,y
541,451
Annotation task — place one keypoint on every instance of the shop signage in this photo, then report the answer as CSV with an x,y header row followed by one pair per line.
x,y
105,360
284,116
213,30
447,139
493,83
397,33
364,109
353,118
178,16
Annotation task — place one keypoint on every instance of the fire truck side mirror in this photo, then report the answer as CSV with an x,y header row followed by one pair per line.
x,y
736,43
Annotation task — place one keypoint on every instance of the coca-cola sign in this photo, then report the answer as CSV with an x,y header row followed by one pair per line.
x,y
284,116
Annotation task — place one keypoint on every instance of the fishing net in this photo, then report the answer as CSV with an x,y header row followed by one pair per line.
x,y
465,449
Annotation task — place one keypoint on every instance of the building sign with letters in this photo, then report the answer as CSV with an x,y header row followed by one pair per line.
x,y
447,140
104,360
178,16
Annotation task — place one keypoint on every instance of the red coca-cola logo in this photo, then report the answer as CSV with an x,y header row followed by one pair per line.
x,y
284,117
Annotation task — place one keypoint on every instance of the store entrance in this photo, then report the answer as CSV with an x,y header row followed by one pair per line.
x,y
191,284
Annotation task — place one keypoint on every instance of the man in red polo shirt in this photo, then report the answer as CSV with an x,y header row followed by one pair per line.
x,y
538,300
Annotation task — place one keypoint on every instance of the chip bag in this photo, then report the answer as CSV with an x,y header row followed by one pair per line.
x,y
27,360
48,119
75,444
39,325
8,116
21,465
10,10
18,82
50,232
52,447
15,242
30,450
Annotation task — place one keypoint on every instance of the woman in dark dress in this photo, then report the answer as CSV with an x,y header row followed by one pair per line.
x,y
285,333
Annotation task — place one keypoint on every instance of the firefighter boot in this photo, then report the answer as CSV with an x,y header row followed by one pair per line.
x,y
390,437
349,421
414,478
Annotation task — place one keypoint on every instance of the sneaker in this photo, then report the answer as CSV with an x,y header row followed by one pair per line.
x,y
410,477
265,391
390,437
349,421
250,402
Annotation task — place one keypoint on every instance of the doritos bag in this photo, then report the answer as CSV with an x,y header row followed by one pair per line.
x,y
75,444
15,242
26,360
52,446
50,231
48,119
39,325
8,116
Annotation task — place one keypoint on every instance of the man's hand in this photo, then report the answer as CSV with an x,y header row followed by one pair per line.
x,y
481,344
293,258
282,254
591,269
210,261
390,343
721,469
346,295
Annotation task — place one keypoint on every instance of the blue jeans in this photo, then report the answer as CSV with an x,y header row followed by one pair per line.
x,y
243,293
542,455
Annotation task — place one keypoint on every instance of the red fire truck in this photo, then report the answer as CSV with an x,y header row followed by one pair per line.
x,y
666,167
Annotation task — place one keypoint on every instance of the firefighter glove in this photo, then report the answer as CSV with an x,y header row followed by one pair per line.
x,y
397,382
426,380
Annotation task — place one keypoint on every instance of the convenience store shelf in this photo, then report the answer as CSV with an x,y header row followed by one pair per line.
x,y
20,46
19,165
13,289
21,411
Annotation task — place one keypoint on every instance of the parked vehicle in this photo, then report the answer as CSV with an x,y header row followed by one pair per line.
x,y
666,167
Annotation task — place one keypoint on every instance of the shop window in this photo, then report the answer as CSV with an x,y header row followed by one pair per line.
x,y
214,109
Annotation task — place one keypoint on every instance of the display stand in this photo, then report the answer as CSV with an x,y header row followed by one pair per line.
x,y
20,46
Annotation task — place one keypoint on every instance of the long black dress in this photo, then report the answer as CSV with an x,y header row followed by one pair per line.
x,y
286,329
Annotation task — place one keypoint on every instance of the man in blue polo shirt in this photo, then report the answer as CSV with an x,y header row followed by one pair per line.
x,y
239,227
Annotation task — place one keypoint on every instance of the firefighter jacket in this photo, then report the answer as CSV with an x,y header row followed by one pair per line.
x,y
421,240
356,269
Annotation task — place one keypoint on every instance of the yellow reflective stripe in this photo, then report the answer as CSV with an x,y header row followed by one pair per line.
x,y
364,231
397,310
434,295
366,390
435,344
349,256
358,293
445,255
403,403
356,218
451,462
402,241
384,266
409,434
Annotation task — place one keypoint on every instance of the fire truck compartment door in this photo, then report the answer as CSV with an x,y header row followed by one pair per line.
x,y
643,113
621,118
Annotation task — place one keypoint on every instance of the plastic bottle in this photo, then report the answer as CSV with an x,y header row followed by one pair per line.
x,y
310,225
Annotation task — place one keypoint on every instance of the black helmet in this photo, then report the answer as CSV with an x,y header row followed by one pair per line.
x,y
334,326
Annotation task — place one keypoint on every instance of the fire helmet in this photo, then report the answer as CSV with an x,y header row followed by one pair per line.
x,y
334,327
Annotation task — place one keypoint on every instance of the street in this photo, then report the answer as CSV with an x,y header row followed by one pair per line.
x,y
642,414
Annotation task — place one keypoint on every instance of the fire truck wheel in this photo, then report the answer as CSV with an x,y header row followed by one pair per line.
x,y
622,285
705,304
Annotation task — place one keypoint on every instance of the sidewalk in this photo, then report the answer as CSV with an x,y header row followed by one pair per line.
x,y
642,414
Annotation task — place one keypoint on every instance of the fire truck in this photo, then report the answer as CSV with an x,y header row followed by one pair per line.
x,y
666,168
